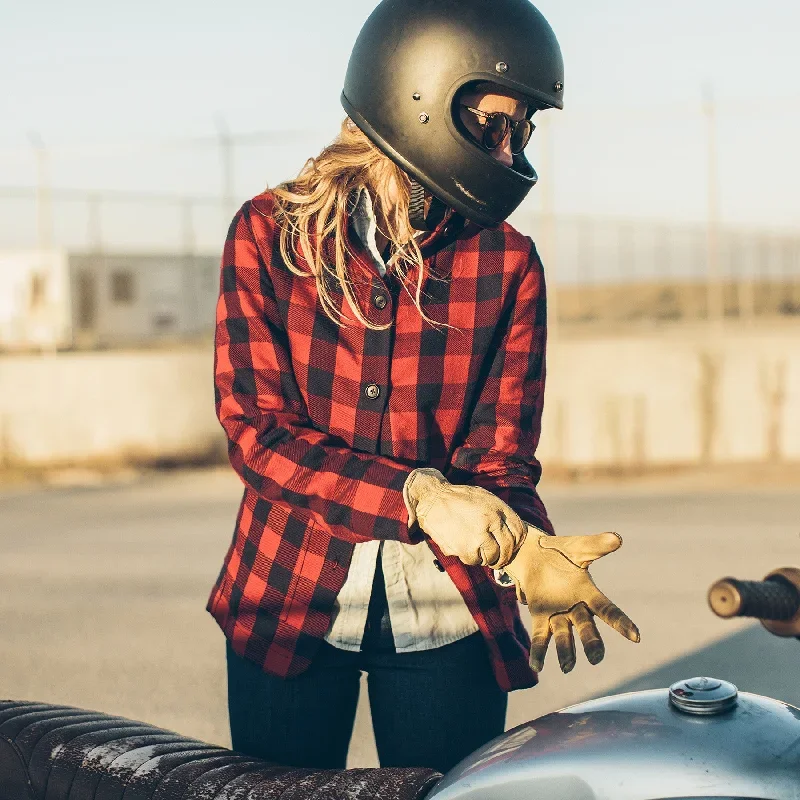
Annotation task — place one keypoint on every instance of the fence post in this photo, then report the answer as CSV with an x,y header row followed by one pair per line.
x,y
745,283
550,257
44,199
714,303
786,305
584,286
190,279
226,151
96,277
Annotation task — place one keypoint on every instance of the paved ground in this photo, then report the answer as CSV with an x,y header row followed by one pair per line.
x,y
103,588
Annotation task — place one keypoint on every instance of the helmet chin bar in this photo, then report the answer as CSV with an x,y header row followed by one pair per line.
x,y
416,210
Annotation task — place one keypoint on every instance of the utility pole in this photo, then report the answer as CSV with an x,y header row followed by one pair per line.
x,y
190,277
44,199
95,227
547,194
714,298
226,159
711,355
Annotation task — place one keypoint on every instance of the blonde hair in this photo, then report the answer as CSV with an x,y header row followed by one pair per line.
x,y
313,212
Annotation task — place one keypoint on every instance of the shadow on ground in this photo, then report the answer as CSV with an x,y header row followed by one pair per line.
x,y
753,659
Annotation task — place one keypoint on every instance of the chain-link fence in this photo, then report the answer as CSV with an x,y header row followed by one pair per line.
x,y
605,270
137,222
88,270
610,270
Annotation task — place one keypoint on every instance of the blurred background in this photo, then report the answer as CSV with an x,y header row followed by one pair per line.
x,y
667,219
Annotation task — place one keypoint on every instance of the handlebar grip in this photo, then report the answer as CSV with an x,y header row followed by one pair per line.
x,y
772,599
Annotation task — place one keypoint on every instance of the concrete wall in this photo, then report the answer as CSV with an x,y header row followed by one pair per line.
x,y
115,405
676,395
679,395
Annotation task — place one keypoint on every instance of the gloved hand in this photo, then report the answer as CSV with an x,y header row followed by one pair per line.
x,y
465,521
552,579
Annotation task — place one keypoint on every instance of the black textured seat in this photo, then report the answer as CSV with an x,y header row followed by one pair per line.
x,y
50,752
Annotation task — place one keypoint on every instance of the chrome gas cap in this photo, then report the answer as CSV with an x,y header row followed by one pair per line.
x,y
703,696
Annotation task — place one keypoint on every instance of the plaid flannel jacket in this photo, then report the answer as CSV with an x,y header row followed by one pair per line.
x,y
324,425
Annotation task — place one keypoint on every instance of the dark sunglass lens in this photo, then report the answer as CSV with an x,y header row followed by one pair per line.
x,y
495,131
521,135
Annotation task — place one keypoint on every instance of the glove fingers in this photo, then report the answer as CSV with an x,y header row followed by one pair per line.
x,y
540,639
613,616
587,631
490,553
582,550
473,558
517,526
565,644
505,540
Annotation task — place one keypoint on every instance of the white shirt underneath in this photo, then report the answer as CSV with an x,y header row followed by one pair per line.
x,y
425,608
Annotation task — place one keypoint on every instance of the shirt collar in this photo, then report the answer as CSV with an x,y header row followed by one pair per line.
x,y
365,226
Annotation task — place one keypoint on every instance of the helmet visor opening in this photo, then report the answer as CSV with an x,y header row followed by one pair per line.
x,y
500,125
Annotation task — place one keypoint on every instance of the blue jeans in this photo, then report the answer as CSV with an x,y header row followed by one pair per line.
x,y
430,708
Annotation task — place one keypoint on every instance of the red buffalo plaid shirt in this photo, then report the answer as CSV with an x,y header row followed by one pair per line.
x,y
324,425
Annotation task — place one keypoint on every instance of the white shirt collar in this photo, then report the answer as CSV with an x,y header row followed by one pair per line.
x,y
366,225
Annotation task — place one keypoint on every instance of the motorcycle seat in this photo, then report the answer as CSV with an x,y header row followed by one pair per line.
x,y
53,752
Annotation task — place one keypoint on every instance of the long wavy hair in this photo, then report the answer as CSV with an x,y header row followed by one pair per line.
x,y
313,212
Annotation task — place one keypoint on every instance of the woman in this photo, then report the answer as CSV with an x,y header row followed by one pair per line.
x,y
379,374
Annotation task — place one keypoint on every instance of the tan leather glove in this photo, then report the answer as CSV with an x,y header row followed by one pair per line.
x,y
465,521
552,578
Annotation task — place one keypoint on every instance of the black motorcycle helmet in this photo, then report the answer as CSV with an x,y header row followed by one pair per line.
x,y
411,62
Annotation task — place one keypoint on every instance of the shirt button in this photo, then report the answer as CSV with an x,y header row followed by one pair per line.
x,y
379,301
372,391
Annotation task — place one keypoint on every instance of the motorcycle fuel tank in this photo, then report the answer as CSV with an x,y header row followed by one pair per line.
x,y
700,738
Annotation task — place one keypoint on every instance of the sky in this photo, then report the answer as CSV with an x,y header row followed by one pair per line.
x,y
131,96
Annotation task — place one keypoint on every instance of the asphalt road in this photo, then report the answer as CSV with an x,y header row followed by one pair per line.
x,y
103,590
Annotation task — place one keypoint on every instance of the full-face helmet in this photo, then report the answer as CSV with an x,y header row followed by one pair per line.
x,y
412,61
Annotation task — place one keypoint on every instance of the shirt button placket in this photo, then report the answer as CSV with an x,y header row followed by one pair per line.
x,y
379,301
376,366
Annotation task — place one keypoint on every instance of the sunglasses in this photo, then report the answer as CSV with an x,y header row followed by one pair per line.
x,y
496,126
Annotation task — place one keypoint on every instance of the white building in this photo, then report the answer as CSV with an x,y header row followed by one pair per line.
x,y
54,299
